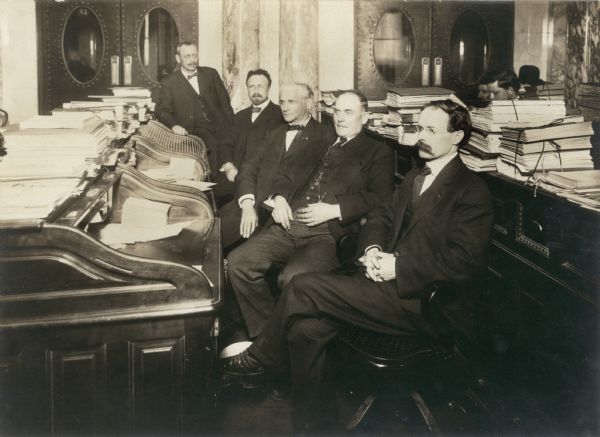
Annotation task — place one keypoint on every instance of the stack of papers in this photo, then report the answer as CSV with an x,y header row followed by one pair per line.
x,y
539,148
34,199
547,91
581,187
499,113
589,101
398,97
51,152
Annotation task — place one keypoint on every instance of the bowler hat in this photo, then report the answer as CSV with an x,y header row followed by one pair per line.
x,y
530,75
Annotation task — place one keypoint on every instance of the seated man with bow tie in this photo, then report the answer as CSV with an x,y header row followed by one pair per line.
x,y
320,193
435,228
193,100
251,126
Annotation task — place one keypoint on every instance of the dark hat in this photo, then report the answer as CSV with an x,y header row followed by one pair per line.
x,y
530,75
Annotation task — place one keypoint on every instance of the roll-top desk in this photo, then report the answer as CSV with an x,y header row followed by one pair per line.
x,y
98,340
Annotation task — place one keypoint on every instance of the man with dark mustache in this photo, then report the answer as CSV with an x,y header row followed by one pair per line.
x,y
251,126
435,228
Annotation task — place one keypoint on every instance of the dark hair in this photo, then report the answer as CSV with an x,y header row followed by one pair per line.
x,y
259,72
505,78
458,117
364,103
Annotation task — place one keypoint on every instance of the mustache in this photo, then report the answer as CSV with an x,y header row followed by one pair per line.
x,y
256,95
421,145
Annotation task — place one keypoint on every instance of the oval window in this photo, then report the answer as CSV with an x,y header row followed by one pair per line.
x,y
469,48
158,39
394,46
83,44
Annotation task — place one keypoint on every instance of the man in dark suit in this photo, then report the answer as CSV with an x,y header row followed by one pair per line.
x,y
436,227
314,204
193,100
251,126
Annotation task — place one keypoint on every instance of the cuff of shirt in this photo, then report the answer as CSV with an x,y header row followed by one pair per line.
x,y
244,197
372,246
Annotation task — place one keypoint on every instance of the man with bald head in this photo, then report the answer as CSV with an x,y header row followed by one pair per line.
x,y
317,197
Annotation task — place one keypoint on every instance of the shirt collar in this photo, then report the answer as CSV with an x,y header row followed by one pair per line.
x,y
263,105
185,73
437,165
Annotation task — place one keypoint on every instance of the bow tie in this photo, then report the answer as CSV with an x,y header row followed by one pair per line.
x,y
295,127
189,76
256,109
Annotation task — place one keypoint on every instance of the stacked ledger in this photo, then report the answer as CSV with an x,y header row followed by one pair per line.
x,y
483,149
403,108
46,158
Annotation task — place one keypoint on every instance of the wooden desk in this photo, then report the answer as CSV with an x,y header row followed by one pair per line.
x,y
95,340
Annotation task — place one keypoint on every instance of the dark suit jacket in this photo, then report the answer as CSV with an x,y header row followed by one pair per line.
x,y
250,136
274,171
447,236
360,178
177,102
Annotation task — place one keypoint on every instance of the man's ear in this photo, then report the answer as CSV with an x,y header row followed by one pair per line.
x,y
365,117
458,136
178,58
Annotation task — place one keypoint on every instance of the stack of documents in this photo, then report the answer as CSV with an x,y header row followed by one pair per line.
x,y
484,144
537,148
498,113
581,187
398,97
34,199
403,108
589,101
40,153
547,91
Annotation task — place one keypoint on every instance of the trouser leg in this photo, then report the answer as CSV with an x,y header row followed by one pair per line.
x,y
248,264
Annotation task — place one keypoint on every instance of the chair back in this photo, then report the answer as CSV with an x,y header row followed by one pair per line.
x,y
3,118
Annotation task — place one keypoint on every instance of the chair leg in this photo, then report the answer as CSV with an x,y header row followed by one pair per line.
x,y
360,413
425,412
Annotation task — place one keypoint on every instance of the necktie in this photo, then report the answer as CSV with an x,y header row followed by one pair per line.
x,y
295,127
255,109
336,146
418,183
194,74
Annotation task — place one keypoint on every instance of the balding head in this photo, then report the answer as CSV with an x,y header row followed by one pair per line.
x,y
295,100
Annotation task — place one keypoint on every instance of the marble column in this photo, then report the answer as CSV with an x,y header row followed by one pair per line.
x,y
298,42
583,48
240,47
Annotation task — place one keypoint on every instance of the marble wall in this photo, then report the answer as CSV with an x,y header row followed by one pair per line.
x,y
298,42
583,47
240,47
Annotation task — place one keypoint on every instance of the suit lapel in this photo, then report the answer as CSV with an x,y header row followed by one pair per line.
x,y
187,83
432,196
403,198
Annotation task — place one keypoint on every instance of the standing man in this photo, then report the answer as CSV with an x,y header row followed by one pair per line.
x,y
436,228
313,206
193,100
251,126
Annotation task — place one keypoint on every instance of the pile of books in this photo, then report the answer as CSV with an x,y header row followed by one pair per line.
x,y
46,161
547,91
403,106
483,149
533,149
589,101
56,146
581,187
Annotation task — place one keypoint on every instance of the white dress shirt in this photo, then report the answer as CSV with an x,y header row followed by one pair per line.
x,y
192,80
436,166
262,107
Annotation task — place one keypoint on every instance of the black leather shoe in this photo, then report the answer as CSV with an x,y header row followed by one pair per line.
x,y
243,364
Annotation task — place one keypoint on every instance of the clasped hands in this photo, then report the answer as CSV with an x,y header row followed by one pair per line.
x,y
311,215
379,266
